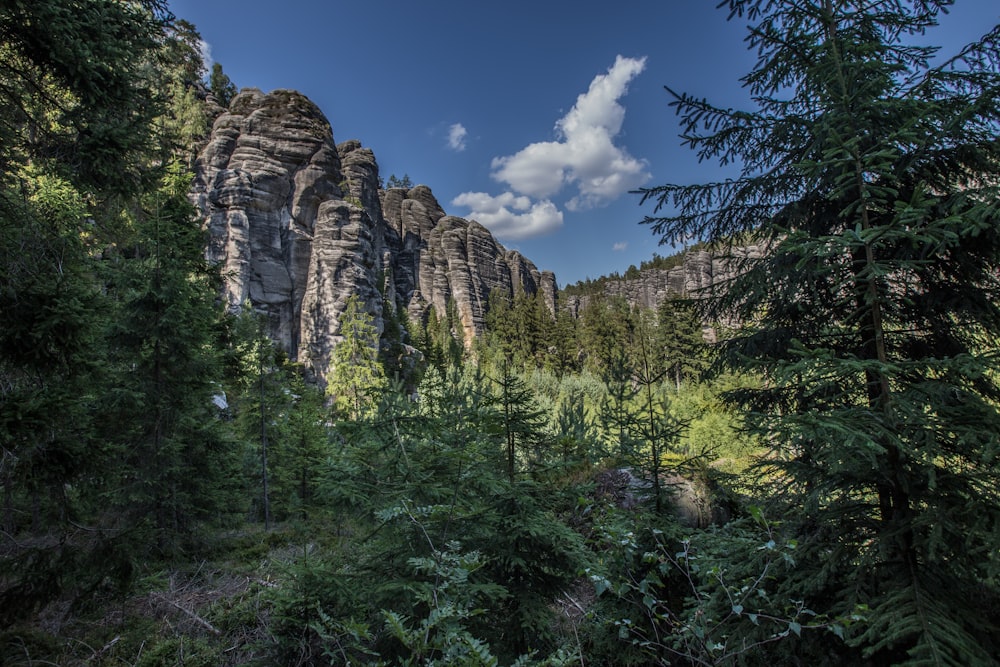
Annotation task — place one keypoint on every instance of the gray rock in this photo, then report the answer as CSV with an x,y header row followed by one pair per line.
x,y
298,224
699,274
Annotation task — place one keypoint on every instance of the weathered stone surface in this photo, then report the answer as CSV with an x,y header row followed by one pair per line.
x,y
443,257
699,274
298,224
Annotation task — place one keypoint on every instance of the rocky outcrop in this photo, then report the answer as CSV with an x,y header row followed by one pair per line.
x,y
299,224
442,258
698,274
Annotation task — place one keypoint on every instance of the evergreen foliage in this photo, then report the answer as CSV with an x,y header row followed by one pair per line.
x,y
179,460
869,172
220,85
396,182
111,444
680,344
357,377
77,97
509,500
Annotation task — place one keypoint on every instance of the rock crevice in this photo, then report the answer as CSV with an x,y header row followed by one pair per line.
x,y
298,224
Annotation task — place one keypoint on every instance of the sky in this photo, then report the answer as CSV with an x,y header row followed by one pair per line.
x,y
535,118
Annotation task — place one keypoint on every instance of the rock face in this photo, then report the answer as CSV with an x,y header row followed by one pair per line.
x,y
299,224
698,274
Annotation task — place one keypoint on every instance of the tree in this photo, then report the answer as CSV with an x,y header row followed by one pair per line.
x,y
519,328
869,172
178,461
654,427
681,345
77,95
259,393
521,423
220,85
403,182
77,139
357,378
607,328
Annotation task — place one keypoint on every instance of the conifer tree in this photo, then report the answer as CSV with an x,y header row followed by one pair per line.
x,y
564,348
606,331
357,378
652,424
299,447
180,460
77,95
260,394
77,146
681,349
521,423
221,86
869,172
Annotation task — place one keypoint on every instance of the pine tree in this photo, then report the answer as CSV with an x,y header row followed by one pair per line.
x,y
357,378
869,174
179,459
396,182
220,85
681,348
521,424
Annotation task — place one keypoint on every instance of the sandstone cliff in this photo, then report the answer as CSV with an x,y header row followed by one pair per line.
x,y
698,272
299,223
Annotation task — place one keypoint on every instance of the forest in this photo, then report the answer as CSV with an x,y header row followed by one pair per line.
x,y
800,467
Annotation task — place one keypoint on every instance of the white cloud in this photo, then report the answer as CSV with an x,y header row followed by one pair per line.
x,y
456,137
206,54
620,246
510,216
584,155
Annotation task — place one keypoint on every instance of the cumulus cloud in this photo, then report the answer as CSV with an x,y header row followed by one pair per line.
x,y
584,154
205,49
510,216
456,137
620,246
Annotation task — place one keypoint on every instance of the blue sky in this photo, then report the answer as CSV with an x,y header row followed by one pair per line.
x,y
534,118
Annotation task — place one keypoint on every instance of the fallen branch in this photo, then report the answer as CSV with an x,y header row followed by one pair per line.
x,y
190,614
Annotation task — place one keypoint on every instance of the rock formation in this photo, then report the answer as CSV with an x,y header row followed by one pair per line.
x,y
699,272
298,224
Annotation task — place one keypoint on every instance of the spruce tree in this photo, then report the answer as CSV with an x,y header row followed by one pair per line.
x,y
520,422
221,86
357,378
681,347
180,460
77,138
869,171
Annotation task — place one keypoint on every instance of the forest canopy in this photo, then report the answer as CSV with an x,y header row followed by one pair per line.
x,y
797,468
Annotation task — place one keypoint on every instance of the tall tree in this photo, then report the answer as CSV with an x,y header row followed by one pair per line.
x,y
681,347
869,172
77,108
76,95
521,423
357,378
221,86
180,460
